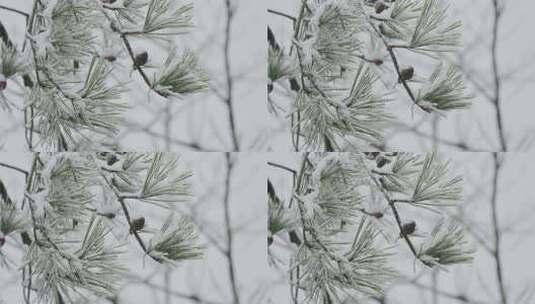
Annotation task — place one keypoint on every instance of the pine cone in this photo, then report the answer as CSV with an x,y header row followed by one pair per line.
x,y
381,161
294,85
109,215
377,61
377,215
406,74
408,228
137,224
141,59
294,238
26,240
27,81
380,6
111,159
110,58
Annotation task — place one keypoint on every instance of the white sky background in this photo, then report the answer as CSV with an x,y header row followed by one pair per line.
x,y
203,117
477,125
515,208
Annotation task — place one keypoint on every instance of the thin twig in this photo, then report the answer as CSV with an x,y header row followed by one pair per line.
x,y
496,229
138,67
121,199
275,12
496,75
402,80
126,212
228,76
26,15
402,233
130,50
228,229
191,297
29,182
192,145
297,29
458,297
392,204
14,168
397,67
282,167
456,144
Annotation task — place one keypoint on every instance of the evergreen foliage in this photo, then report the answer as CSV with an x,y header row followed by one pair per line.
x,y
338,222
76,222
341,49
447,245
71,58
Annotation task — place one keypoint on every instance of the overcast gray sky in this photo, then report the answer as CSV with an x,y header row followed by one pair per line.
x,y
516,52
516,209
203,117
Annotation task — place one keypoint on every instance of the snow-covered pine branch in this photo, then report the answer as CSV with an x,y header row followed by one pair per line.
x,y
347,57
346,225
71,57
80,215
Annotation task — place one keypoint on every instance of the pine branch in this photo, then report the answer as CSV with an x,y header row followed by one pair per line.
x,y
446,246
64,37
397,68
138,67
122,201
397,217
134,230
330,41
70,255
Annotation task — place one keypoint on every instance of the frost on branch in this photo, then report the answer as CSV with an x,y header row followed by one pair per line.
x,y
346,222
79,217
72,63
350,56
447,245
180,75
176,241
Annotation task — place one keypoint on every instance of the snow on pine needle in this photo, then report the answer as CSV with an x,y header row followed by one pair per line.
x,y
343,47
72,216
72,60
349,222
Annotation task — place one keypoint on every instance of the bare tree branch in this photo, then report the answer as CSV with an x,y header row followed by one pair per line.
x,y
496,74
496,229
228,75
228,229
